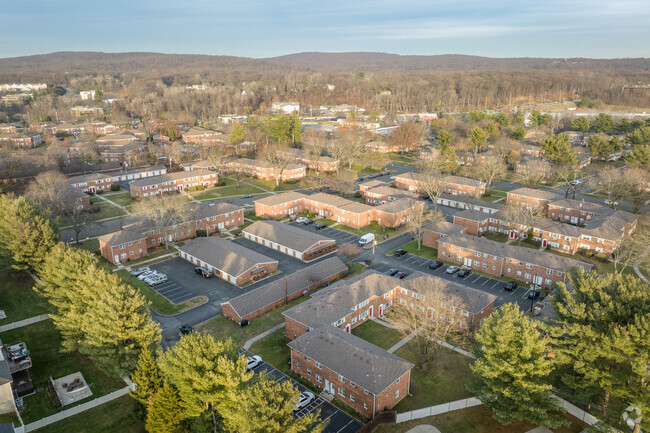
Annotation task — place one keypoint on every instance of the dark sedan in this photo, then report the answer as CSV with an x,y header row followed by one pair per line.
x,y
533,294
391,272
401,275
510,285
320,226
400,252
435,265
464,272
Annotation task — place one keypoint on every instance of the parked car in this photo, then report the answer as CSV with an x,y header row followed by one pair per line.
x,y
305,398
253,361
145,274
435,265
392,178
576,182
302,220
320,226
372,176
609,202
150,276
204,272
247,196
533,294
510,285
452,269
308,222
400,252
424,197
366,239
401,275
156,279
386,173
360,179
140,271
463,273
391,272
185,329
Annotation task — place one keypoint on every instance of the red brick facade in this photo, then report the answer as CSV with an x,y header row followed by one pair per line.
x,y
261,170
455,185
178,181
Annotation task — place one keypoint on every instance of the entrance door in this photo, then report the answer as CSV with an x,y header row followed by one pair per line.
x,y
468,262
381,310
537,280
329,387
91,189
574,220
347,328
370,310
220,225
180,187
544,243
117,258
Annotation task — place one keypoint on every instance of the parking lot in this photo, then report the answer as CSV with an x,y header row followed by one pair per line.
x,y
339,236
410,263
338,421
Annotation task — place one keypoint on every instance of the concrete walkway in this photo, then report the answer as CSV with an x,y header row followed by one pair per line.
x,y
401,343
636,265
250,342
424,428
24,322
77,409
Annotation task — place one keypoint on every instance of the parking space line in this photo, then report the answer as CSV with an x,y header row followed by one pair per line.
x,y
344,427
495,284
487,280
474,280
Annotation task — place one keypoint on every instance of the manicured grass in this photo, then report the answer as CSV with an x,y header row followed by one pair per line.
x,y
107,210
123,199
94,199
599,266
227,191
18,299
269,185
378,334
354,269
444,379
116,416
221,327
274,350
10,418
373,227
251,216
324,221
476,420
424,251
496,238
364,170
44,342
400,159
91,245
157,301
151,256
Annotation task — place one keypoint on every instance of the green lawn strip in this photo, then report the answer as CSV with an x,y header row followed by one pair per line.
x,y
158,302
124,199
324,221
116,416
221,327
10,418
444,379
269,185
148,257
107,210
227,191
18,299
354,269
44,342
95,200
400,159
599,266
373,227
412,248
496,238
364,170
91,245
251,216
476,420
378,334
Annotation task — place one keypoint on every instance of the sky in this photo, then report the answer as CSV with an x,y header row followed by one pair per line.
x,y
268,28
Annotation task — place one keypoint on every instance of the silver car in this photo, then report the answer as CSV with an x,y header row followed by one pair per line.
x,y
305,398
452,269
140,271
146,274
158,279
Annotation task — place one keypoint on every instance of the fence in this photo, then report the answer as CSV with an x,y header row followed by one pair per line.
x,y
437,410
387,417
586,417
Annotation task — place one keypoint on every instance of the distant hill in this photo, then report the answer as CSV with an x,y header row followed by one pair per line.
x,y
89,62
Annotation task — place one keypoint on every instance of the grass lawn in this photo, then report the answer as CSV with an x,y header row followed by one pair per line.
x,y
476,420
251,216
373,227
412,248
269,185
354,269
158,302
226,191
116,416
443,381
91,245
378,334
324,221
10,418
221,327
496,238
364,170
95,199
400,159
123,199
44,342
599,266
17,298
151,256
107,210
274,350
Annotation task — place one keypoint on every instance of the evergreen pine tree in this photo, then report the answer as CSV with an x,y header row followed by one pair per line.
x,y
513,370
559,151
117,325
146,378
26,234
164,412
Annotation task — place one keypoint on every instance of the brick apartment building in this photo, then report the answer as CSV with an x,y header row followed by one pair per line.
x,y
436,230
575,211
383,147
530,197
119,154
318,163
198,135
119,246
178,181
377,192
495,258
475,222
290,240
342,210
252,304
93,182
456,185
24,141
7,128
227,260
263,170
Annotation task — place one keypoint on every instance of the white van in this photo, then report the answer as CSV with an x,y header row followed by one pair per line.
x,y
366,239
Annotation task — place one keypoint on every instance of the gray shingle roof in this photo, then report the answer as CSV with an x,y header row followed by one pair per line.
x,y
365,364
153,180
444,227
458,180
536,193
297,282
286,235
121,237
277,199
89,177
472,215
397,205
206,211
224,255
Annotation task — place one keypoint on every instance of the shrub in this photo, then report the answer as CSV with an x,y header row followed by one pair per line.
x,y
221,183
200,187
601,256
115,187
588,253
201,233
101,191
93,209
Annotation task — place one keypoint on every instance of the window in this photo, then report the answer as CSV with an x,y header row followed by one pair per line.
x,y
397,381
352,385
298,365
494,268
527,276
477,263
451,256
477,254
352,398
309,371
529,266
484,265
519,273
318,364
341,379
549,271
319,379
397,394
365,405
341,392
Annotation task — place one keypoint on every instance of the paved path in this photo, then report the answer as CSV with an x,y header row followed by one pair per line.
x,y
250,342
401,343
24,322
636,265
424,428
77,409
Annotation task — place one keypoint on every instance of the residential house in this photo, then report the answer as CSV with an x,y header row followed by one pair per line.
x,y
436,230
383,147
314,162
15,377
475,222
198,135
290,240
227,260
7,128
123,246
382,194
286,107
80,111
575,211
25,140
93,182
455,185
263,170
178,181
530,197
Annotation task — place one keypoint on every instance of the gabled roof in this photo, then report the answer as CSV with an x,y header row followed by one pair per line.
x,y
451,179
472,215
444,228
362,363
89,178
224,255
284,197
397,206
153,180
536,193
286,235
279,289
121,237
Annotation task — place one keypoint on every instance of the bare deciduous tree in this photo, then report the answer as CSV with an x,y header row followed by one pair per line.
x,y
570,180
610,182
350,251
406,136
277,160
343,182
520,218
637,187
419,218
535,173
490,169
432,314
163,212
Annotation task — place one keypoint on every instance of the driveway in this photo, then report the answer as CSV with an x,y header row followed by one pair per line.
x,y
338,421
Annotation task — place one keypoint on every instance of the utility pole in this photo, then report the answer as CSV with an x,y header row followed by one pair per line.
x,y
374,242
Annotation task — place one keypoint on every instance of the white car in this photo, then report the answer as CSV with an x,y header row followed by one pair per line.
x,y
146,274
140,271
253,361
305,398
151,276
157,279
302,220
452,269
609,202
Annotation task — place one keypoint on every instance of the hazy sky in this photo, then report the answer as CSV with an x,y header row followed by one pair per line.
x,y
257,28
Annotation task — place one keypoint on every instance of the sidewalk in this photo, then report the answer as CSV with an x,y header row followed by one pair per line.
x,y
250,342
401,343
24,322
636,265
